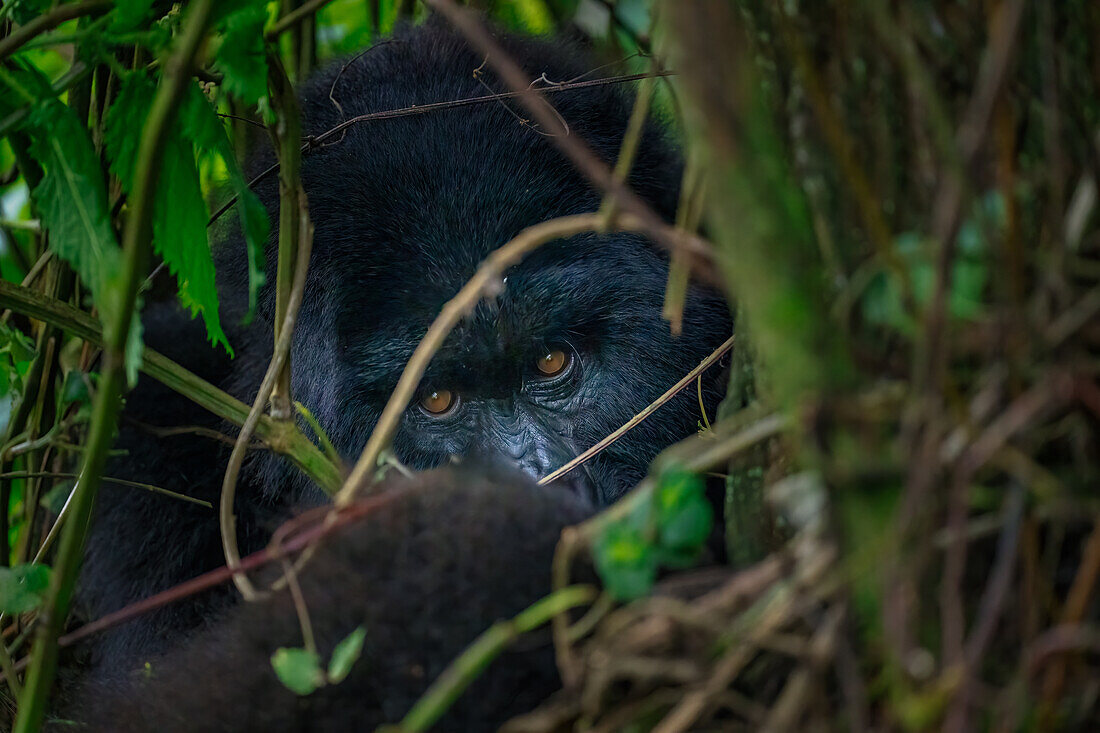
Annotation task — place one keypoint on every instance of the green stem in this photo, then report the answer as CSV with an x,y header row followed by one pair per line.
x,y
283,438
287,135
49,21
487,647
135,253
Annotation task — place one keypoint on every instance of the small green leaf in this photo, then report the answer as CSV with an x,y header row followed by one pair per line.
x,y
345,655
75,389
626,563
14,342
684,516
298,669
23,587
241,57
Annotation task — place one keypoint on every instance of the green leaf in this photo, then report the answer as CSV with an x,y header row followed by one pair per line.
x,y
179,234
129,14
202,125
22,11
23,587
73,201
345,655
626,563
75,388
298,669
684,516
14,342
125,121
241,56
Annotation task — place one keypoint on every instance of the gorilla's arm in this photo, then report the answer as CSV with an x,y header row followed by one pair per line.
x,y
453,553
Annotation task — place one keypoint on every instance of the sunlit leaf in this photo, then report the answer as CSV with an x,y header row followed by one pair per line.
x,y
298,669
684,515
346,654
626,563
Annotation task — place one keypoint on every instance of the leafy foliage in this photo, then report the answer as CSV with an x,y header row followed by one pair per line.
x,y
670,529
23,588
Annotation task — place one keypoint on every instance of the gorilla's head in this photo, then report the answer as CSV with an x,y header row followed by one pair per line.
x,y
405,209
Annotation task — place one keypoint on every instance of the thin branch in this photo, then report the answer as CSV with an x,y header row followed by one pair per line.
x,y
293,18
393,114
633,422
49,21
283,438
575,149
108,479
226,519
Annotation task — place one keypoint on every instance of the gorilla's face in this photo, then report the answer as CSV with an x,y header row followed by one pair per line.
x,y
405,211
570,349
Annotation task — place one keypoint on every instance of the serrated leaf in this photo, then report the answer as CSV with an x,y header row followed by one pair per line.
x,y
23,587
179,234
125,120
345,655
202,125
625,562
298,669
73,201
241,56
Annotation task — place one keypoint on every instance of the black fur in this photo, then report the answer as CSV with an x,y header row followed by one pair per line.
x,y
405,209
424,575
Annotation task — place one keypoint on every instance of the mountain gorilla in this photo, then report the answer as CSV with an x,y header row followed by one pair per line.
x,y
405,209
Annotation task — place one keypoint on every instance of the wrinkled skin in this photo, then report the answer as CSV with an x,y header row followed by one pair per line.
x,y
405,209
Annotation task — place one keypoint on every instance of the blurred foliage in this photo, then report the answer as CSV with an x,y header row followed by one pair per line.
x,y
902,200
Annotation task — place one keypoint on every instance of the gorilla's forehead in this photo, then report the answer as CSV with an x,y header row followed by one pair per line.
x,y
572,291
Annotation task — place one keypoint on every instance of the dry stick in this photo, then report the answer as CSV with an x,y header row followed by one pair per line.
x,y
631,139
49,21
135,253
486,281
699,454
578,152
226,518
649,410
392,114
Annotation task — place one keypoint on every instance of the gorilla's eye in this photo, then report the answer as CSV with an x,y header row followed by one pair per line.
x,y
438,402
553,362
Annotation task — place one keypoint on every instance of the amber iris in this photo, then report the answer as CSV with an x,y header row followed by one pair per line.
x,y
438,401
552,362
